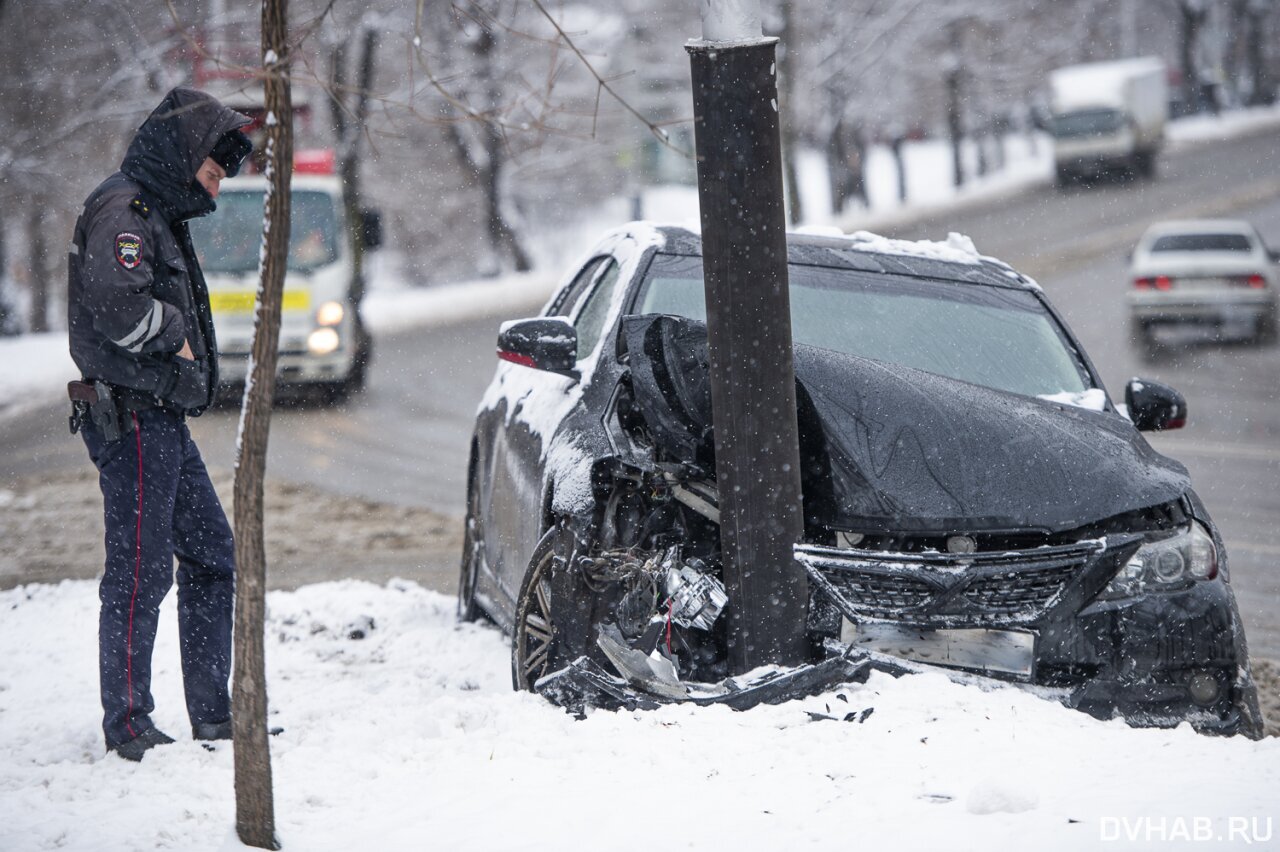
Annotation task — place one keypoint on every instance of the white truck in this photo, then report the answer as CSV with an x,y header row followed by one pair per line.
x,y
1108,116
323,342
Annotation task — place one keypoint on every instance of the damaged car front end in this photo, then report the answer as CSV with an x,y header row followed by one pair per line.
x,y
961,510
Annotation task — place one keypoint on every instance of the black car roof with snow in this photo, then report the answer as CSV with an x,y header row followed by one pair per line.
x,y
861,252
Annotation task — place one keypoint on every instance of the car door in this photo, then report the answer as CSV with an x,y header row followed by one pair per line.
x,y
510,478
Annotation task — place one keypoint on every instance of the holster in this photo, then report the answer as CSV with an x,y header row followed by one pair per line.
x,y
97,401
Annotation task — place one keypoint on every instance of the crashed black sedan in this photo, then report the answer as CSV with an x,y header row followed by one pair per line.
x,y
973,498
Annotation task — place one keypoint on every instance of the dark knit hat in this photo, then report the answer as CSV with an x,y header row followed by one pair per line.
x,y
230,151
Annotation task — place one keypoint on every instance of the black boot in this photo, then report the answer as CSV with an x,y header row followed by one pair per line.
x,y
135,748
211,730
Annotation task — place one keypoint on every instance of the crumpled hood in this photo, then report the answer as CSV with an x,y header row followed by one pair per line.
x,y
888,447
171,144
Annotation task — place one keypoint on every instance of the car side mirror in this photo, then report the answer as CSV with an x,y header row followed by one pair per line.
x,y
544,343
371,229
1154,407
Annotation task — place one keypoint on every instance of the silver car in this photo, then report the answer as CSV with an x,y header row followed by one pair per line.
x,y
1210,272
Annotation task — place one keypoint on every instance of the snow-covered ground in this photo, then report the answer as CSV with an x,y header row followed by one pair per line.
x,y
410,738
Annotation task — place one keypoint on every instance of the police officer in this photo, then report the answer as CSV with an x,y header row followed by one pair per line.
x,y
141,332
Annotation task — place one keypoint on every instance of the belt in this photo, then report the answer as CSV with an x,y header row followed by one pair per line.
x,y
125,398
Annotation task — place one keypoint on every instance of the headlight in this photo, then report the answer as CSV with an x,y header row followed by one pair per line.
x,y
1167,564
330,313
322,341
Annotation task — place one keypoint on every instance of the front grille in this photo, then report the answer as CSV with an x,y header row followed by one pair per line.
x,y
883,595
975,588
1018,591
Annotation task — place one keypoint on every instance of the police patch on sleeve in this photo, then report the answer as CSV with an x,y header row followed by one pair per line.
x,y
129,250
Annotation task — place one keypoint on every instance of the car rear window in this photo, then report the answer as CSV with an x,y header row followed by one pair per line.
x,y
997,337
1202,242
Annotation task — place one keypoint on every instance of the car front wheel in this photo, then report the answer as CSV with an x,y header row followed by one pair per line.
x,y
536,646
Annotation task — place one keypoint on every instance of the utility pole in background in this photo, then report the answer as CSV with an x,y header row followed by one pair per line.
x,y
753,391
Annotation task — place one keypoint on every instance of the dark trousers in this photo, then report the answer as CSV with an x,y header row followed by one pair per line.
x,y
158,502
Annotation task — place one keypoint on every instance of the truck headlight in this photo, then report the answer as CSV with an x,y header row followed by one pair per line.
x,y
330,313
322,341
1166,564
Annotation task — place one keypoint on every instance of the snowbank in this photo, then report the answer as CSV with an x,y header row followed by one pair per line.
x,y
411,738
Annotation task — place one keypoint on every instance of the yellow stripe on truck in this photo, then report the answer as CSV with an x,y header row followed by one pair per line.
x,y
242,302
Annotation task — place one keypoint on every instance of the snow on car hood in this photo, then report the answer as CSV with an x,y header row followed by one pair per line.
x,y
888,447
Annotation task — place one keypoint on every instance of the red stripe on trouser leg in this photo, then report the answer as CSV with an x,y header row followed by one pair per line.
x,y
137,572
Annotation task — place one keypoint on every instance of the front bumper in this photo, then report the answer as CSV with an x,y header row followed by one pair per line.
x,y
292,367
1134,658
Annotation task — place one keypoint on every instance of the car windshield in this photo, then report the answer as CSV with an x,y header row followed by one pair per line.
x,y
1202,242
228,240
1092,122
997,337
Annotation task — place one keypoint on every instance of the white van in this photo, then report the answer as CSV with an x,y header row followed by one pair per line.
x,y
323,342
1108,116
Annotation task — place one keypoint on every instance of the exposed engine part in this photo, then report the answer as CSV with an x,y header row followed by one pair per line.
x,y
961,544
700,497
697,598
637,607
652,672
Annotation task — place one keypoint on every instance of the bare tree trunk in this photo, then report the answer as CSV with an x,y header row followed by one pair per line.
x,y
501,235
837,167
7,322
1262,91
983,165
486,158
954,127
1235,59
1190,22
255,807
38,266
955,121
350,124
895,145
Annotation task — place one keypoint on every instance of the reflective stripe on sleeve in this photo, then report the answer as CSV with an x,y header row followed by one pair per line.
x,y
148,328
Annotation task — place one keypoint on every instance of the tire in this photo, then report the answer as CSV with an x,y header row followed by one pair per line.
x,y
355,380
536,649
1146,164
469,608
1143,339
1266,333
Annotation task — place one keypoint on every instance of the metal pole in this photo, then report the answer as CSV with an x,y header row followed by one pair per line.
x,y
753,394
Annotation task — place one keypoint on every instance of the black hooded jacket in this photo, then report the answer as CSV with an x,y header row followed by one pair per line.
x,y
135,291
